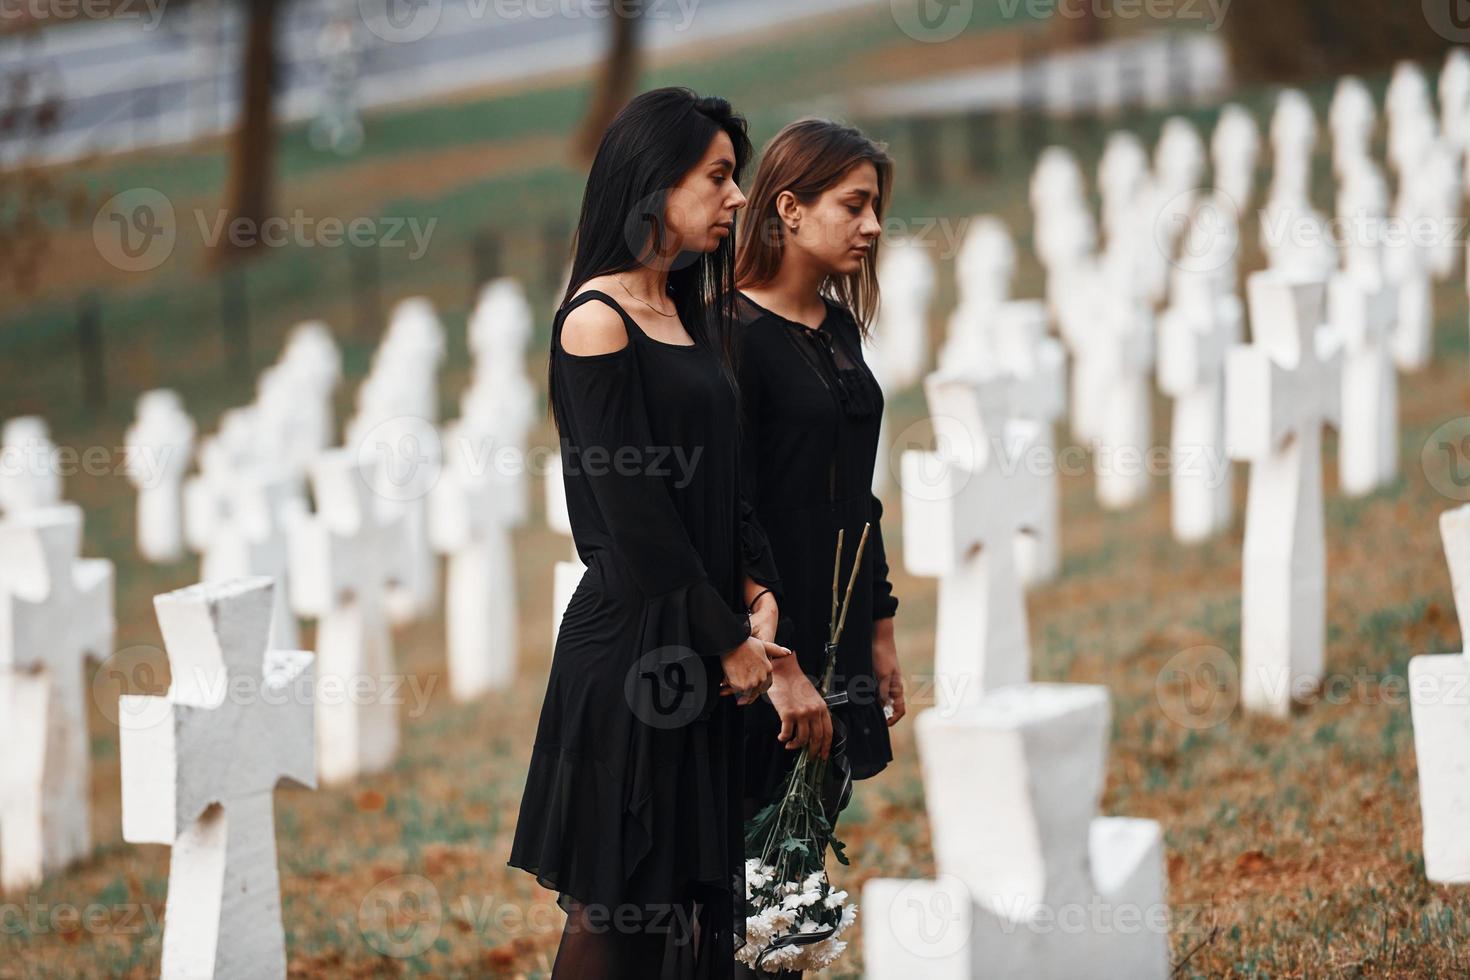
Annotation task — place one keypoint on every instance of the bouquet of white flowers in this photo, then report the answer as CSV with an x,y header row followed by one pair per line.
x,y
794,918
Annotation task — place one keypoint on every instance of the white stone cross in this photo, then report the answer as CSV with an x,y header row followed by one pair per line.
x,y
160,446
56,609
1036,366
1032,882
1351,119
1279,393
1439,689
964,504
1235,145
502,322
30,468
1193,339
1363,316
342,561
1123,357
237,519
472,508
200,766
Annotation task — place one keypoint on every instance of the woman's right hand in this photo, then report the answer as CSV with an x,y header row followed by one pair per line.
x,y
748,668
805,718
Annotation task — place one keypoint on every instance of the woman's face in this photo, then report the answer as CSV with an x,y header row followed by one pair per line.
x,y
700,211
838,229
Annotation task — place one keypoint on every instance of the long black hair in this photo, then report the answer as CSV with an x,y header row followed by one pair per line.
x,y
650,145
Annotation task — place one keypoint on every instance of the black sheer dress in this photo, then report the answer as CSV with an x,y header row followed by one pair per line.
x,y
812,410
633,794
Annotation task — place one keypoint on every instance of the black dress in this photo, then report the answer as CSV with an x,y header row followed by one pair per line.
x,y
812,410
633,793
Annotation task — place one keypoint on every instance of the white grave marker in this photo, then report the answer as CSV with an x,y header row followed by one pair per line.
x,y
55,610
342,561
1439,688
200,766
1279,393
1032,882
160,446
964,504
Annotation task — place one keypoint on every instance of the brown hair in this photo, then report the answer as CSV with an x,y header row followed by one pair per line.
x,y
808,157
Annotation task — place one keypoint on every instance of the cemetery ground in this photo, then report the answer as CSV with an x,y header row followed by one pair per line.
x,y
1292,845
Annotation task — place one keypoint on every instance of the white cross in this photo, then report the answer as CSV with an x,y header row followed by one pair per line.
x,y
1439,688
55,610
237,519
30,469
342,561
1036,366
160,445
1363,314
964,505
1030,877
1279,393
472,508
199,770
1193,339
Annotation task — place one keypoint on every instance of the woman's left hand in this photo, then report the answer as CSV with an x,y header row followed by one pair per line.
x,y
885,669
764,617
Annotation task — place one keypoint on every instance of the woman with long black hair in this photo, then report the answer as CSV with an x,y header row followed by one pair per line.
x,y
807,272
631,809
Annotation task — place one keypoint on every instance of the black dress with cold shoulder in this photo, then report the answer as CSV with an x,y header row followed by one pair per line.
x,y
812,411
633,795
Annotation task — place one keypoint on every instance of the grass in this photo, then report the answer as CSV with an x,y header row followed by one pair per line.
x,y
1292,845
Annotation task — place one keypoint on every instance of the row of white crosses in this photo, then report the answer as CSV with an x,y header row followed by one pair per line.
x,y
1031,881
252,480
397,426
483,494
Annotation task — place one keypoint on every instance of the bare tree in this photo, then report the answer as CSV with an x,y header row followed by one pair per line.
x,y
252,154
619,73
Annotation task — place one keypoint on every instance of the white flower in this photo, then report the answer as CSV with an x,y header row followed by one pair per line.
x,y
834,899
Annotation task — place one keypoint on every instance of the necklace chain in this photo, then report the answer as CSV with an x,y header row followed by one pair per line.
x,y
643,301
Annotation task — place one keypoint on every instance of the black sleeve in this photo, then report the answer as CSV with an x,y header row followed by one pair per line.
x,y
885,604
756,558
608,424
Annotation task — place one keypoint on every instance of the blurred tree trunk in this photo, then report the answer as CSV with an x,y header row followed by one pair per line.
x,y
252,156
615,87
1079,27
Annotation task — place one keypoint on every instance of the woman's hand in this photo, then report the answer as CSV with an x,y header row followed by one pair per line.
x,y
748,668
885,669
764,618
805,717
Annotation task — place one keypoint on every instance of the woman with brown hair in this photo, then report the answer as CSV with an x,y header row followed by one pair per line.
x,y
807,271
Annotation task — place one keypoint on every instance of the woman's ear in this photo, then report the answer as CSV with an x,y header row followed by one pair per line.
x,y
788,209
